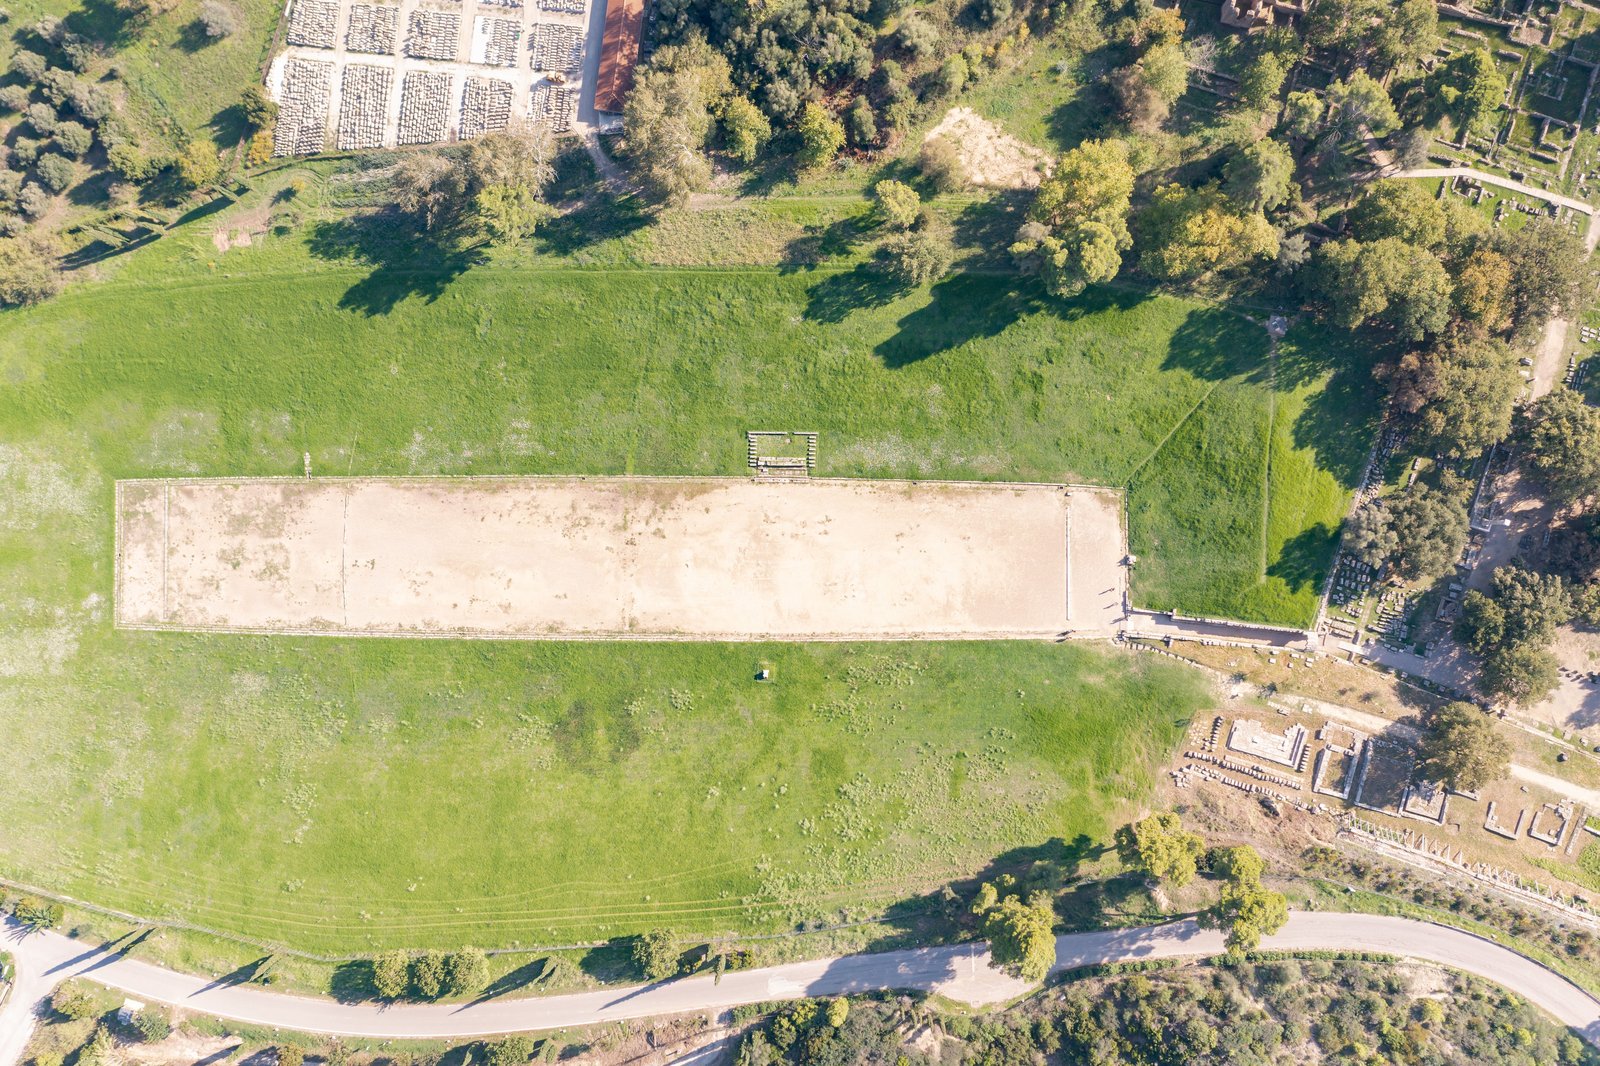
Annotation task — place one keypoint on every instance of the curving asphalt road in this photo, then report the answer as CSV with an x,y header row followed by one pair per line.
x,y
962,973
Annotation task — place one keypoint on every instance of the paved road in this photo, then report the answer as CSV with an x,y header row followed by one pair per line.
x,y
961,973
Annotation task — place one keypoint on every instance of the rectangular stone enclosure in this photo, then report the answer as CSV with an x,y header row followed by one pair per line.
x,y
619,557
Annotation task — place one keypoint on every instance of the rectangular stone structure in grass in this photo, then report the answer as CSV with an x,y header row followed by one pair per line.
x,y
302,124
363,106
485,106
373,29
313,23
424,107
495,40
433,35
619,557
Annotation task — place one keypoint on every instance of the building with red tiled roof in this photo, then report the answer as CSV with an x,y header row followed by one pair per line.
x,y
619,53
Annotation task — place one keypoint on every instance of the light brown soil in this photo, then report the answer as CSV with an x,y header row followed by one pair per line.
x,y
722,558
992,159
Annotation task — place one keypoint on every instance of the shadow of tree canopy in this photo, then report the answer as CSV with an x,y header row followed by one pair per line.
x,y
990,226
523,975
837,296
821,243
405,263
1341,420
1216,344
1303,559
352,982
945,915
105,21
601,218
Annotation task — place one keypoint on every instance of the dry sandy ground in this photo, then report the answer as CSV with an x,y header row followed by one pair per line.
x,y
991,158
723,558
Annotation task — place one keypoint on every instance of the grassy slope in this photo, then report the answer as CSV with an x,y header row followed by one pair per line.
x,y
347,794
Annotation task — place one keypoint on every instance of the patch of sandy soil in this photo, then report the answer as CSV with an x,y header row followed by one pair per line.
x,y
992,158
241,229
180,1049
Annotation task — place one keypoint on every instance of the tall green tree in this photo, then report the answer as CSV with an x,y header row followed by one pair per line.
x,y
1260,177
1022,935
1078,222
1471,82
1192,233
1461,393
1521,607
1561,440
1387,282
1400,209
1160,846
1462,747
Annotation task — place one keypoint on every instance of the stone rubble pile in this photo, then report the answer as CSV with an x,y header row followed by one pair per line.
x,y
433,35
424,107
500,38
303,108
556,46
363,104
566,7
485,106
313,23
373,29
555,104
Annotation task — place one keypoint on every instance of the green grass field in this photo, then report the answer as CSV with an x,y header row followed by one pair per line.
x,y
344,795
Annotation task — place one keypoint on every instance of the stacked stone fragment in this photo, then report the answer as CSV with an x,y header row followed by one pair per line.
x,y
302,108
485,106
373,29
500,3
556,46
424,107
499,38
313,23
554,104
433,35
363,104
568,7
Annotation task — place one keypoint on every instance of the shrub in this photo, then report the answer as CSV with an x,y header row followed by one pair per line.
x,y
14,97
42,117
90,102
861,123
897,203
198,166
940,163
465,971
291,1055
259,110
131,161
11,225
917,35
512,1051
79,52
656,954
951,77
72,1000
821,137
916,258
27,65
391,973
33,200
56,84
37,913
56,171
219,19
10,186
428,974
152,1025
73,138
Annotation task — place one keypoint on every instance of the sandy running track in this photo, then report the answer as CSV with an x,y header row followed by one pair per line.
x,y
538,557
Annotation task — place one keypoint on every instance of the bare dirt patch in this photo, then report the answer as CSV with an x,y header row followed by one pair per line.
x,y
722,558
992,158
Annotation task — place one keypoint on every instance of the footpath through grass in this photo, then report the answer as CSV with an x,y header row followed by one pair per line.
x,y
346,795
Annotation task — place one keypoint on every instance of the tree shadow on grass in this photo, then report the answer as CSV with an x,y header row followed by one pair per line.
x,y
1303,560
837,296
405,263
522,976
601,218
612,961
1341,419
990,226
352,982
945,915
1215,344
962,308
821,243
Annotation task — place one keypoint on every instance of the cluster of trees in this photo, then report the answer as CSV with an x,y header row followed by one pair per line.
x,y
1510,628
431,974
493,191
1020,927
1164,850
1420,533
1246,1013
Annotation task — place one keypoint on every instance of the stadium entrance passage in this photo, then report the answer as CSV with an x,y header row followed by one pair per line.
x,y
619,557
